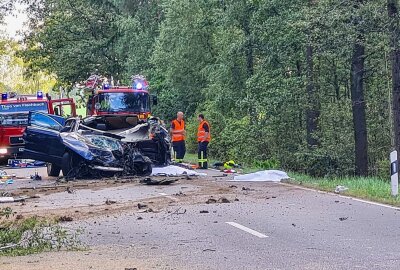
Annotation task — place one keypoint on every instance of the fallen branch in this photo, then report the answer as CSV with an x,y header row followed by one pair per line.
x,y
176,212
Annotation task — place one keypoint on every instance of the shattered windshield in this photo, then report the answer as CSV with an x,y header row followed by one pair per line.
x,y
105,143
124,102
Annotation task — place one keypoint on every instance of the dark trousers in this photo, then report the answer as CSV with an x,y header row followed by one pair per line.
x,y
179,150
202,155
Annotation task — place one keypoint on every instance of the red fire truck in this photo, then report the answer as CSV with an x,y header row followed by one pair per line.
x,y
106,99
14,111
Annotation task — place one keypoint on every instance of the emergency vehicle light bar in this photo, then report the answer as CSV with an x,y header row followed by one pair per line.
x,y
140,84
39,95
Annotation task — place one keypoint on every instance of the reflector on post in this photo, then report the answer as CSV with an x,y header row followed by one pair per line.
x,y
394,176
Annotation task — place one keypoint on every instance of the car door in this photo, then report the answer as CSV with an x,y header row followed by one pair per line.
x,y
42,140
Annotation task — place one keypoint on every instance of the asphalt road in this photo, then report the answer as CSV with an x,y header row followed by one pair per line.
x,y
298,229
271,226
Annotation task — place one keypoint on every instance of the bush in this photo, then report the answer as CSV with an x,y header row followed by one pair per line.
x,y
268,164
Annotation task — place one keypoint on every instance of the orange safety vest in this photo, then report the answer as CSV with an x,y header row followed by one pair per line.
x,y
179,126
201,132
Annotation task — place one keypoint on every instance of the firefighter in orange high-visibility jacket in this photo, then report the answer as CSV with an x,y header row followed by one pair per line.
x,y
203,138
178,135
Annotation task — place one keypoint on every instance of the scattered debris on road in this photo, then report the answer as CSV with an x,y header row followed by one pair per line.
x,y
151,181
109,202
141,206
343,218
176,212
220,200
36,177
211,200
65,219
148,210
204,212
12,199
223,200
180,193
340,189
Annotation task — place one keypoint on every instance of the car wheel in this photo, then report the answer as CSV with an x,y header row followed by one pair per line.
x,y
53,170
69,161
146,170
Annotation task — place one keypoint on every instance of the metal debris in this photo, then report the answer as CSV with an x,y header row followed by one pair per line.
x,y
340,189
220,200
151,181
223,200
211,200
141,205
36,177
109,202
65,219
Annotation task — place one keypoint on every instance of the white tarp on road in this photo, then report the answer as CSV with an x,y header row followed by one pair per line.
x,y
262,176
175,170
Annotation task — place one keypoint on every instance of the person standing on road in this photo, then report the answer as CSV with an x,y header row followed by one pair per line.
x,y
178,134
203,138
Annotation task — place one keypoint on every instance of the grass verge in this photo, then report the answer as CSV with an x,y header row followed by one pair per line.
x,y
33,235
192,159
369,188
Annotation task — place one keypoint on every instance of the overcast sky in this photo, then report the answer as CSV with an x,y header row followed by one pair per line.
x,y
14,22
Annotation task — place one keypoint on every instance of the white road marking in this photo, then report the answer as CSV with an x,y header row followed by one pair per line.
x,y
168,196
342,196
248,230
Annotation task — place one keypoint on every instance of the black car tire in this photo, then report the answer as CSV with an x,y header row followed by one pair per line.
x,y
68,162
146,170
53,170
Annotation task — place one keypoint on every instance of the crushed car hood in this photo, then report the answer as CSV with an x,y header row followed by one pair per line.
x,y
114,143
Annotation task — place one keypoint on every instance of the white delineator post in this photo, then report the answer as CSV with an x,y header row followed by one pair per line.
x,y
394,175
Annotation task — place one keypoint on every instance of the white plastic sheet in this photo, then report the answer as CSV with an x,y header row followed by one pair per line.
x,y
175,170
262,176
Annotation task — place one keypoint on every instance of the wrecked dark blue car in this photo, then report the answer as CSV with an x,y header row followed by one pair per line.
x,y
96,146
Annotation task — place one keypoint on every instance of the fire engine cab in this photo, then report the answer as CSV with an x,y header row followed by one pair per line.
x,y
106,99
14,112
